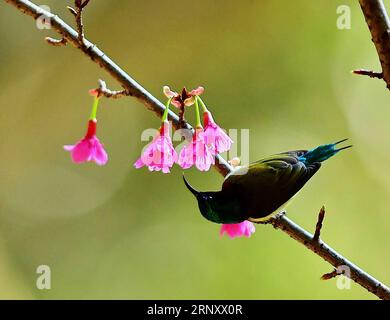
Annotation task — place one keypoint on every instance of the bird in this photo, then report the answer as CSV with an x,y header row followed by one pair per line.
x,y
262,189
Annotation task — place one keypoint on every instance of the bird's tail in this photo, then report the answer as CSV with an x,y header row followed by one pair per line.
x,y
322,153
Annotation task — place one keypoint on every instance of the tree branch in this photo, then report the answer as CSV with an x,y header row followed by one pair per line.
x,y
134,89
332,256
379,24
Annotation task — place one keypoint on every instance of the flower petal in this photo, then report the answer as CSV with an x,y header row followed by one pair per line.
x,y
186,156
245,228
100,156
176,102
169,93
82,151
189,101
196,92
69,147
204,156
139,163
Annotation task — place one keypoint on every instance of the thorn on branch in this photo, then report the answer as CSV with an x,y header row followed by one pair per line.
x,y
72,11
370,73
321,217
104,91
56,42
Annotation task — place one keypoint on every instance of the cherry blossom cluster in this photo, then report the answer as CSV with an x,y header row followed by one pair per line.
x,y
208,140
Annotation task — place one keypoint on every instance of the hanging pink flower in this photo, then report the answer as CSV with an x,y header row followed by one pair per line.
x,y
89,148
159,154
197,153
216,138
234,230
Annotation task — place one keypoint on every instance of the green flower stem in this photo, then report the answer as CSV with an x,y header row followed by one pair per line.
x,y
198,123
94,109
202,103
165,115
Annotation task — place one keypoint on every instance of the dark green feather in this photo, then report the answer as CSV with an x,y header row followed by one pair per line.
x,y
269,183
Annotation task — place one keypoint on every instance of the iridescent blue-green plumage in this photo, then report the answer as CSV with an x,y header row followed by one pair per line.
x,y
257,191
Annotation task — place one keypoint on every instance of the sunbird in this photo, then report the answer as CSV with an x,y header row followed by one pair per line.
x,y
264,188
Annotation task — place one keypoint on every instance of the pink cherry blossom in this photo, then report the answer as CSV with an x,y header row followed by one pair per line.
x,y
89,148
245,228
197,153
159,154
216,138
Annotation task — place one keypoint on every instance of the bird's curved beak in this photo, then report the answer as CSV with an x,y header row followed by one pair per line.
x,y
189,187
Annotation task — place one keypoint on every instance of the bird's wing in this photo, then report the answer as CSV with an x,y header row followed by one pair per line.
x,y
269,183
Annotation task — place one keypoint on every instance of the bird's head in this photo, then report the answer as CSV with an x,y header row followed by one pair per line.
x,y
213,205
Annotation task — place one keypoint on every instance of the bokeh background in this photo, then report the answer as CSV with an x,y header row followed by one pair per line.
x,y
279,69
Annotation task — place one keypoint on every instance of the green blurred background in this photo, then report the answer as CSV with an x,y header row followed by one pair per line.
x,y
280,69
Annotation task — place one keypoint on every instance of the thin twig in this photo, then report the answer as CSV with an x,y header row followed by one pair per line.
x,y
80,5
379,24
56,42
321,217
330,275
84,4
104,91
340,270
134,89
370,73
